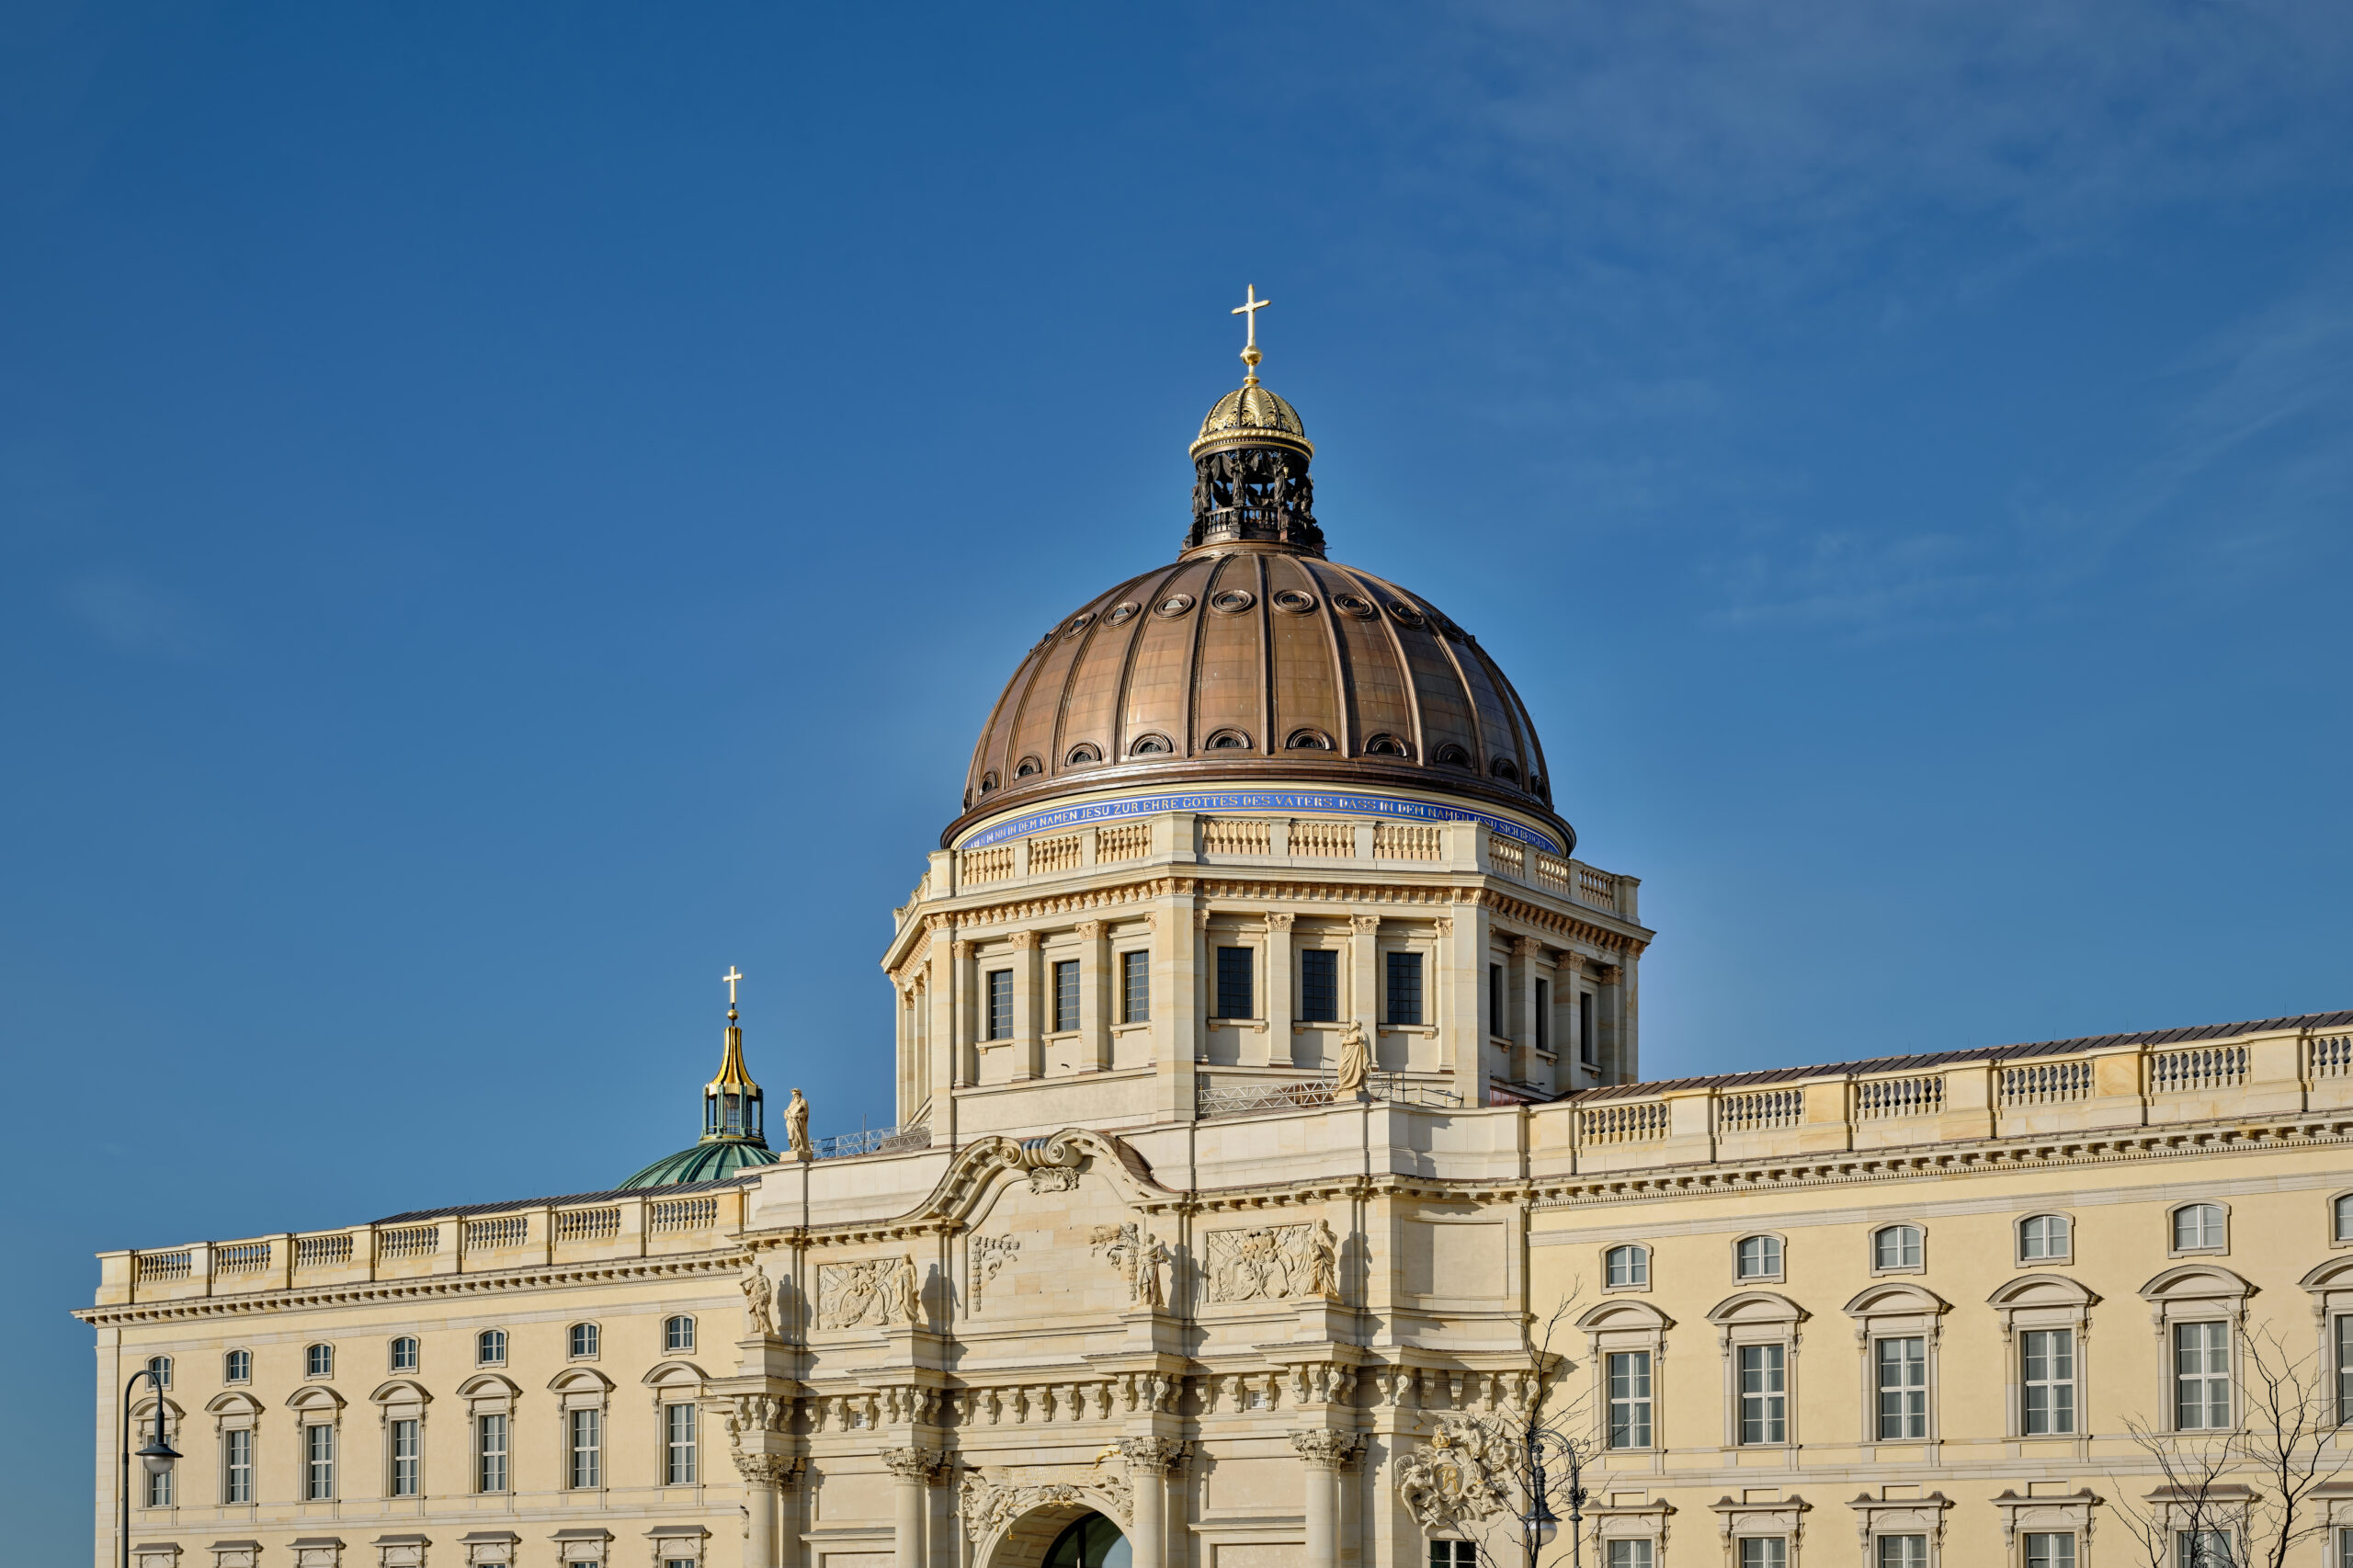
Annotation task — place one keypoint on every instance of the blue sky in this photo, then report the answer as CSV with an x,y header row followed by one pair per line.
x,y
506,511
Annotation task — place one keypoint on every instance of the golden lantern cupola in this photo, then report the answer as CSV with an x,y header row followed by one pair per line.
x,y
731,1102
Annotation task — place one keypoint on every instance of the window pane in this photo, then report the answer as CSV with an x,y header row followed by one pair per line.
x,y
1234,987
2198,1225
1543,1014
237,1482
2202,1376
678,1435
2203,1548
1319,986
2047,1369
1902,1552
318,1463
1629,1372
587,1448
2343,1210
1762,1395
490,1449
2050,1551
1404,998
1135,987
1629,1265
1761,1258
405,1466
1903,1388
1065,995
1000,1004
2345,1385
1765,1552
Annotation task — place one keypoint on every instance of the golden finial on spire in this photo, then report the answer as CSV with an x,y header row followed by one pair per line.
x,y
1248,311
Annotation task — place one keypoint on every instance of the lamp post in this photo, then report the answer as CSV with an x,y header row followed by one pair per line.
x,y
1539,1524
156,1457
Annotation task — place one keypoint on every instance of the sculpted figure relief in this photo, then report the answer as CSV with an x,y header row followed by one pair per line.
x,y
1267,1264
759,1302
1451,1478
1324,1263
1150,1261
1355,1062
862,1294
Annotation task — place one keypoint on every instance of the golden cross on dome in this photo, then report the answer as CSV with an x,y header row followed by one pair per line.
x,y
1248,311
732,976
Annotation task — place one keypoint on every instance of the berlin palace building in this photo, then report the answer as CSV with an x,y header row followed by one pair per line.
x,y
1272,1154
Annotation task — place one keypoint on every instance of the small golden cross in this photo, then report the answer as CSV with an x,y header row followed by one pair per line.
x,y
732,976
1248,311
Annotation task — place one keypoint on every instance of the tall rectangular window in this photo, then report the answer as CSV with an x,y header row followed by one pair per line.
x,y
2047,1364
1234,987
156,1492
1765,1552
2050,1551
587,1448
405,1477
2203,1548
1630,1554
1630,1399
1404,988
1586,1051
237,1465
1135,987
2202,1376
2345,1387
678,1466
1454,1554
1319,985
1902,1552
1763,1393
490,1453
1543,1014
1000,1004
1495,1015
1065,995
318,1463
1903,1388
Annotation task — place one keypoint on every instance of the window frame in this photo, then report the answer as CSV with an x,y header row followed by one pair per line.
x,y
1772,1357
2073,1383
318,1472
1070,1019
586,1332
161,1369
1410,965
1919,1232
584,1460
1641,1256
1777,1273
1642,1407
234,1495
318,1361
393,1353
672,1447
1135,962
2338,1215
413,1458
1224,976
996,1023
236,1366
2228,1376
2027,1539
484,1345
2017,1239
484,1423
2203,1249
1910,1394
672,1344
1315,956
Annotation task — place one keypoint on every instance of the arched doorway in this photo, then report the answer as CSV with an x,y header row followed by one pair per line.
x,y
1091,1542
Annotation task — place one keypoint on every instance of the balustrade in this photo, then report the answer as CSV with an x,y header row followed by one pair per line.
x,y
1644,1121
2044,1083
1882,1100
498,1232
1407,841
1760,1111
994,864
587,1224
1236,835
1059,854
2332,1057
1128,841
322,1251
1323,837
408,1241
2197,1071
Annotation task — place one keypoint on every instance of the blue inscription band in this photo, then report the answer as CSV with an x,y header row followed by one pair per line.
x,y
1256,800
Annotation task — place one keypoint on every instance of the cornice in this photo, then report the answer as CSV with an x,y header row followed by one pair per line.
x,y
1515,908
437,1285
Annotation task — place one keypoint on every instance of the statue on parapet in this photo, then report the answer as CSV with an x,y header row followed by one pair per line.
x,y
1356,1065
796,1128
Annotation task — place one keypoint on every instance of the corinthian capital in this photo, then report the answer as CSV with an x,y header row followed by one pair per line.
x,y
912,1464
768,1470
1326,1449
1153,1456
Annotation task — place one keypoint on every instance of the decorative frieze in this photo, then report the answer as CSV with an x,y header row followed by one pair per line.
x,y
1273,1263
870,1293
1456,1478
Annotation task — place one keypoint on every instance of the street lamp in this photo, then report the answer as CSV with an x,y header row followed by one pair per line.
x,y
1539,1524
156,1457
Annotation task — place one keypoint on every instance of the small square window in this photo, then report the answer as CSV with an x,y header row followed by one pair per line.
x,y
678,1333
318,1361
1626,1268
584,1339
2045,1238
2199,1227
2340,1219
160,1367
1896,1248
403,1354
237,1367
489,1347
1758,1257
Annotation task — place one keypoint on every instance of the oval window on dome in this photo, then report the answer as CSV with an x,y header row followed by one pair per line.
x,y
1083,753
1291,601
1151,746
988,782
1506,769
1228,740
1234,601
1308,740
1351,604
1028,767
1121,613
1407,614
1453,756
1174,605
1386,745
1079,623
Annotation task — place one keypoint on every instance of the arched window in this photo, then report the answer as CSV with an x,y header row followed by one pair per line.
x,y
988,782
318,1361
585,1340
489,1347
237,1367
1896,1247
1626,1268
1506,769
161,1365
1092,1541
1758,1257
1385,746
1308,740
678,1333
1453,755
1229,740
1028,767
2045,1238
2341,1219
1080,756
1150,745
403,1354
2199,1227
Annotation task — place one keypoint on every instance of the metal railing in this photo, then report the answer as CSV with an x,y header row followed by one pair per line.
x,y
1246,1095
873,1140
